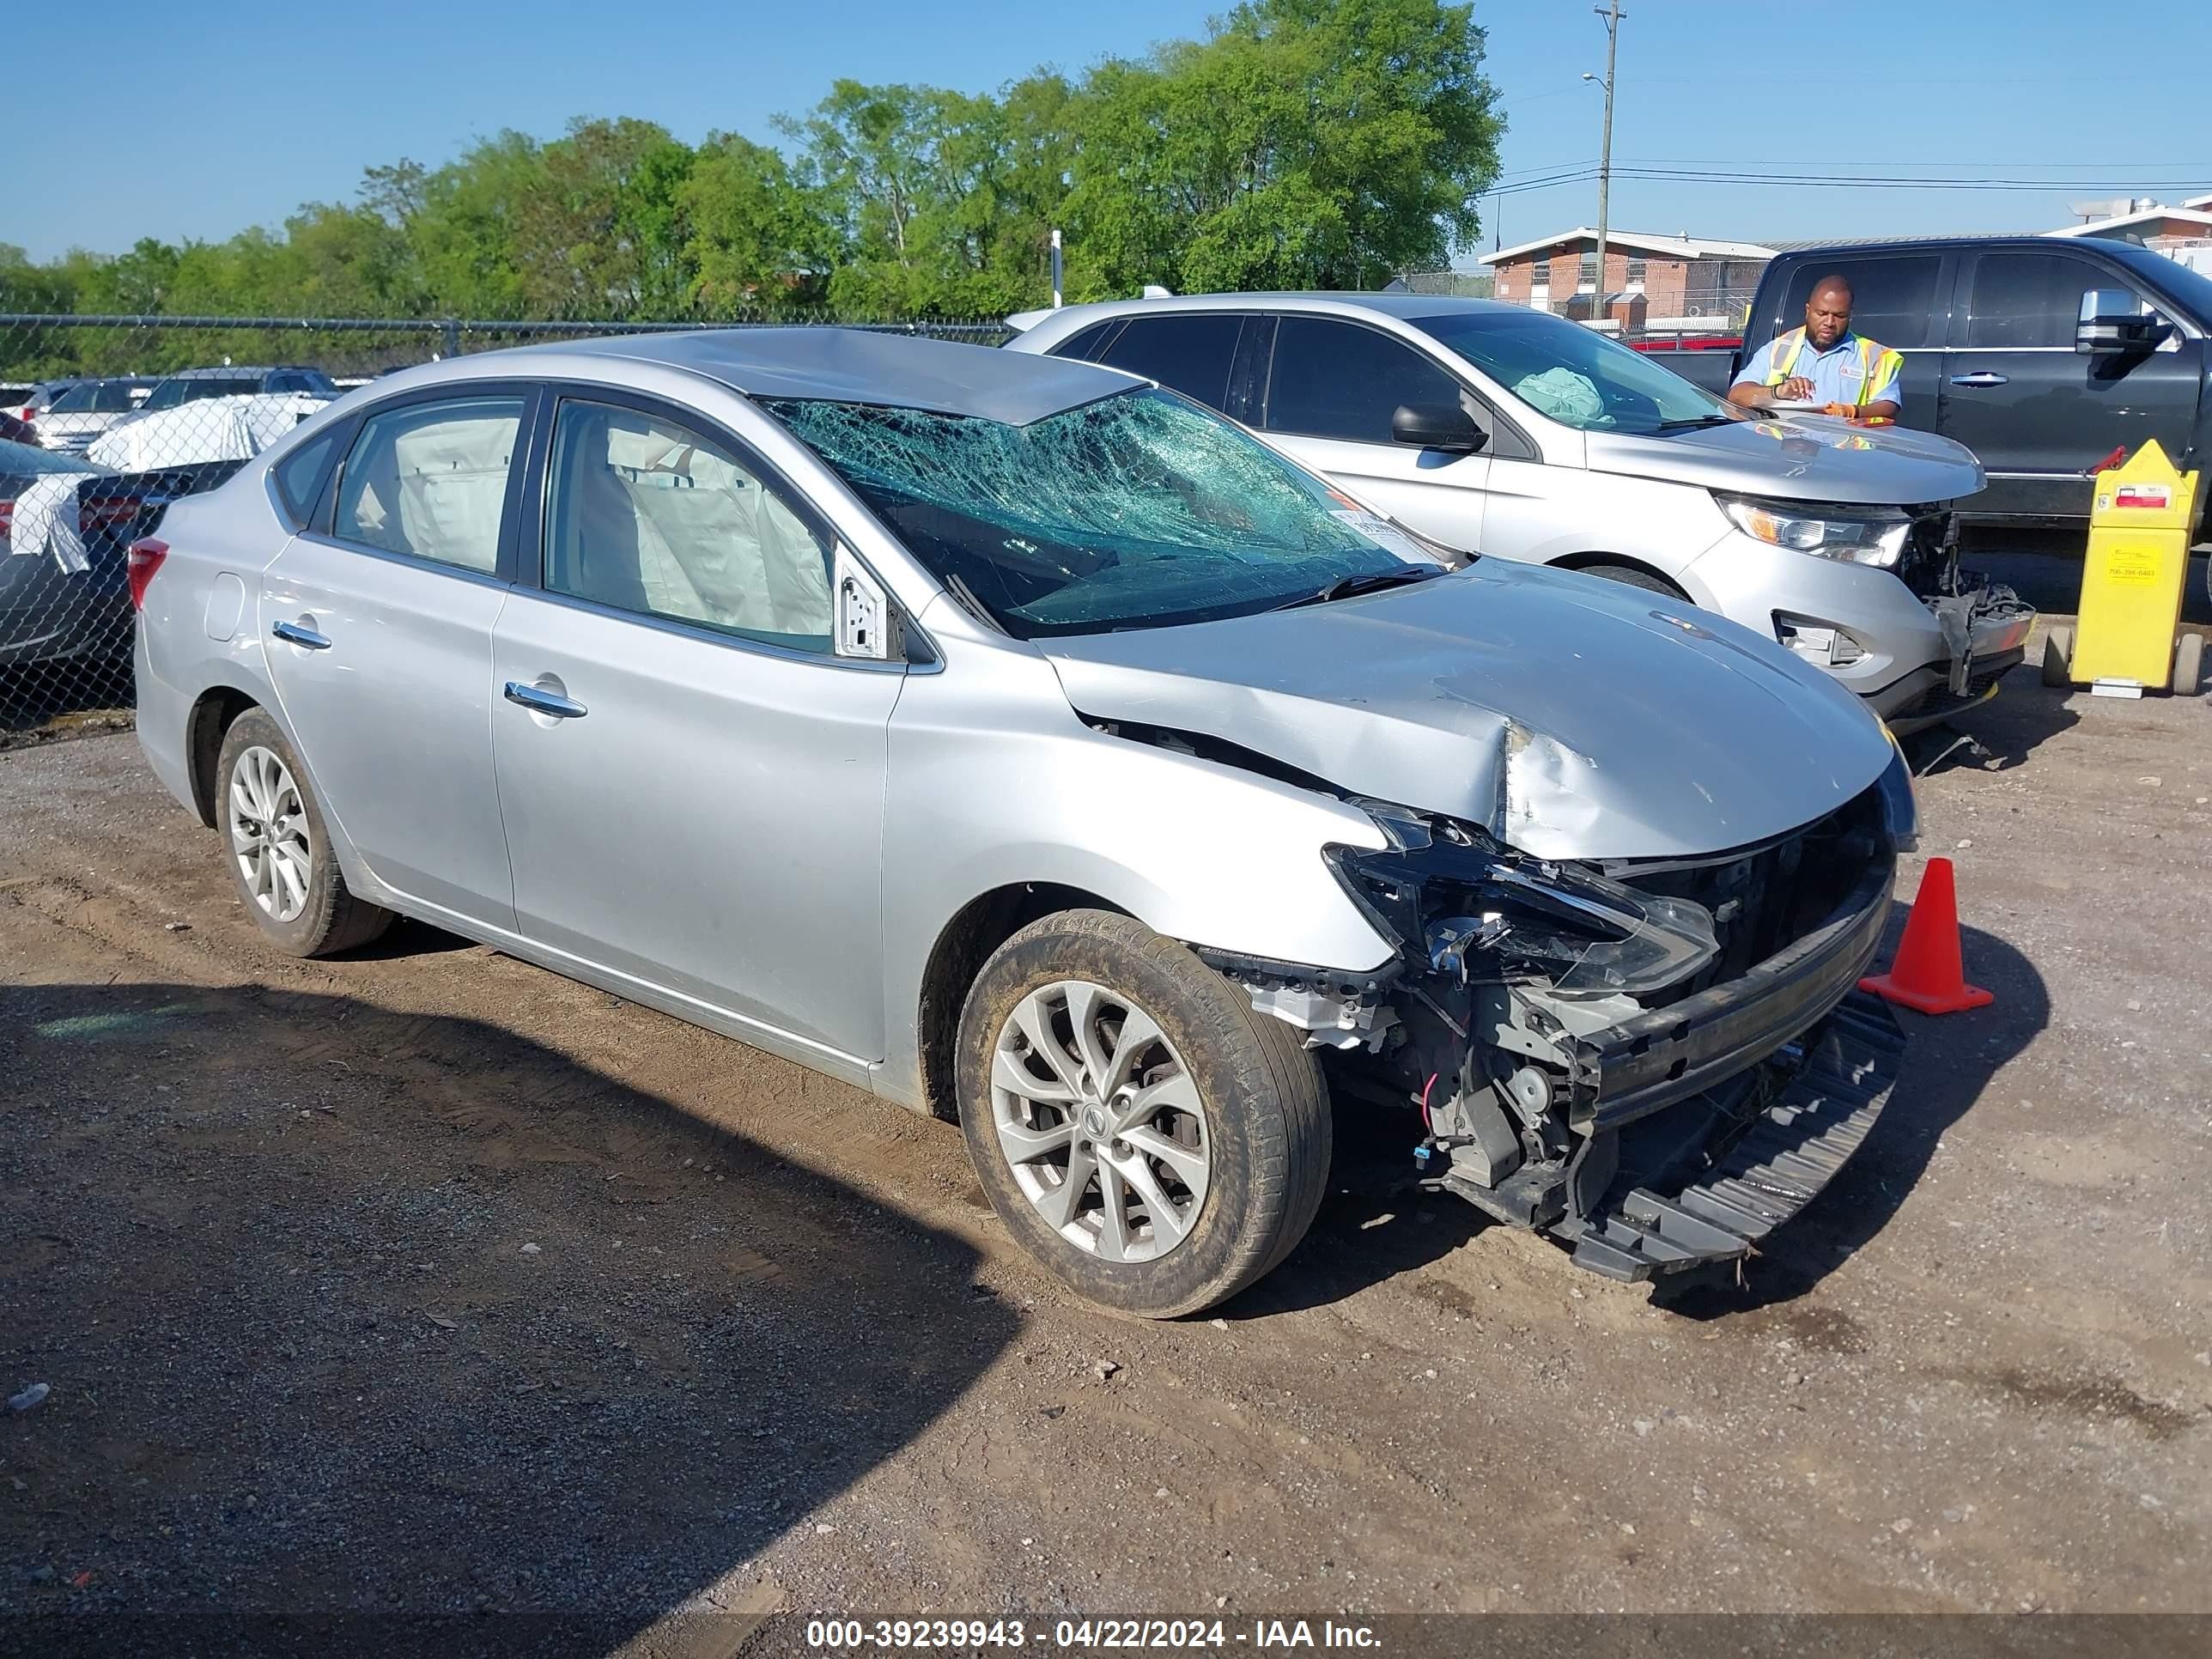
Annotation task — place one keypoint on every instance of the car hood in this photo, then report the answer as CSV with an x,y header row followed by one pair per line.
x,y
1807,459
1568,716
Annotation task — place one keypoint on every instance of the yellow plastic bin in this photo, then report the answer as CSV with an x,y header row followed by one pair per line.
x,y
2131,582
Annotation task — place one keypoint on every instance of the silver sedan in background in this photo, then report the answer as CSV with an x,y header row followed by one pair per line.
x,y
1032,746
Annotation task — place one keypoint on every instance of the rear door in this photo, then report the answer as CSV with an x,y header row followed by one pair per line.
x,y
1195,353
692,779
377,626
1331,388
2036,412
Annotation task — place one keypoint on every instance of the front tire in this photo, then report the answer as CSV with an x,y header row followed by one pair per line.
x,y
278,848
1139,1128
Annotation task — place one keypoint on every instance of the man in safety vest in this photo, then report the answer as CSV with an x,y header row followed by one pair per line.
x,y
1824,363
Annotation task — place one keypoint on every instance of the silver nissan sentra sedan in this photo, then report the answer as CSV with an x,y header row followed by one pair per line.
x,y
1032,746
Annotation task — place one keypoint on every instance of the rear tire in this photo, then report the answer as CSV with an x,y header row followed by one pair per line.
x,y
1628,575
279,847
1181,1098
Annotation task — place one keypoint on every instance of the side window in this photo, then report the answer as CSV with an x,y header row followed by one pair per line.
x,y
1085,343
431,479
2029,299
284,381
1892,298
300,476
647,515
1191,355
1334,379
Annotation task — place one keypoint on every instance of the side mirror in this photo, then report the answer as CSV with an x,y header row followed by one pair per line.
x,y
1438,426
866,626
2113,320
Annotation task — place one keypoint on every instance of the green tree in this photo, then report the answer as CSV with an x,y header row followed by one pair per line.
x,y
1306,142
753,241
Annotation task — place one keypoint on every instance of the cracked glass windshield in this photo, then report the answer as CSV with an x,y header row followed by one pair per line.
x,y
1138,511
1575,375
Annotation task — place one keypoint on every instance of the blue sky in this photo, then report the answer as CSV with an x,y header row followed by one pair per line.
x,y
200,127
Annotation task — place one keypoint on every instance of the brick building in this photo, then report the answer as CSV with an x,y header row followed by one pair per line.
x,y
1646,276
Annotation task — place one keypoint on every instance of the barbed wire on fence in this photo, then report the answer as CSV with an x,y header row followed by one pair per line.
x,y
106,420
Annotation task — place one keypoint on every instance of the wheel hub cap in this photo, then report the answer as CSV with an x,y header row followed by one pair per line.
x,y
1100,1122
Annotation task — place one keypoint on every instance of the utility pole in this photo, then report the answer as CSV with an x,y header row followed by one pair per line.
x,y
1612,13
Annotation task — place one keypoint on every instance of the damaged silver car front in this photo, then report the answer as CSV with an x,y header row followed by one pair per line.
x,y
1656,1062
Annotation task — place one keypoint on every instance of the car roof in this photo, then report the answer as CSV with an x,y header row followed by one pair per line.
x,y
1324,300
850,366
237,371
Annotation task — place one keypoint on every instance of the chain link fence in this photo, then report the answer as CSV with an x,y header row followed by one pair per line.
x,y
104,421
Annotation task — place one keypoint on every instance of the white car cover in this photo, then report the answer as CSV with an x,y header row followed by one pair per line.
x,y
212,429
46,521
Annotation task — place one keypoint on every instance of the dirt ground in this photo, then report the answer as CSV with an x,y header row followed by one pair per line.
x,y
428,1282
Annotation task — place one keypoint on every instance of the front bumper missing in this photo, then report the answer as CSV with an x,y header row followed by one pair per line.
x,y
1644,1064
1985,633
1757,1175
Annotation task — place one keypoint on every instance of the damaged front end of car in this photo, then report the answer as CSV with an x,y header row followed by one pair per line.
x,y
1656,1062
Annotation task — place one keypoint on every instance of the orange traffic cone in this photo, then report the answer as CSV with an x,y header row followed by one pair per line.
x,y
1927,973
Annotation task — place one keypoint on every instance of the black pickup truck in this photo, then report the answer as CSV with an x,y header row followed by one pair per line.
x,y
2043,354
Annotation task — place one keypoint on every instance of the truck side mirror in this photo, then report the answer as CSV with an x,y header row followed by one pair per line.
x,y
2113,320
1438,426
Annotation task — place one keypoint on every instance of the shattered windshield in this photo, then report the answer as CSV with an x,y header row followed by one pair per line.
x,y
1138,511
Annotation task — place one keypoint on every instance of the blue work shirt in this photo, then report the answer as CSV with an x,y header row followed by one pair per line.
x,y
1834,372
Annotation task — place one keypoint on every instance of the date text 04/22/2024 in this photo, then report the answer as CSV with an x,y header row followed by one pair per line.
x,y
1084,1635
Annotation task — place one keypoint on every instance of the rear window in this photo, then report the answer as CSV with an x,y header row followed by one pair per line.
x,y
102,397
1892,297
171,393
24,460
300,476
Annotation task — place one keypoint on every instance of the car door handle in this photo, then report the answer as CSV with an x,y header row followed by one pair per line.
x,y
299,633
1980,377
538,700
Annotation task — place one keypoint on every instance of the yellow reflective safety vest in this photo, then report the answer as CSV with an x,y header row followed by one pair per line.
x,y
1876,362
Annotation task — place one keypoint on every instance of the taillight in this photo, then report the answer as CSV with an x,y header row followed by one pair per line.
x,y
143,560
7,517
106,510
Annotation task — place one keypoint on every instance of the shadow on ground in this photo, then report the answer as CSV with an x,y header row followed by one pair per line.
x,y
1999,735
1949,1063
269,1250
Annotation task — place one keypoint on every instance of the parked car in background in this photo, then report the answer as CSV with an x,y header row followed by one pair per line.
x,y
2043,354
1494,428
84,411
219,428
191,384
65,597
41,397
1027,743
15,431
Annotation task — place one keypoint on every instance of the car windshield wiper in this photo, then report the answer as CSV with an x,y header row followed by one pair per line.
x,y
1371,581
1695,420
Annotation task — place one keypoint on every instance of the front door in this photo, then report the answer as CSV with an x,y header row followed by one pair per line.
x,y
377,628
1330,392
2036,411
692,781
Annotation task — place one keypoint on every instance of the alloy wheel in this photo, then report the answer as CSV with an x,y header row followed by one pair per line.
x,y
268,833
1100,1122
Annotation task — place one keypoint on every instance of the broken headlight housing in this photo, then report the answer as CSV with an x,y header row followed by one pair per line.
x,y
1876,537
1460,905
